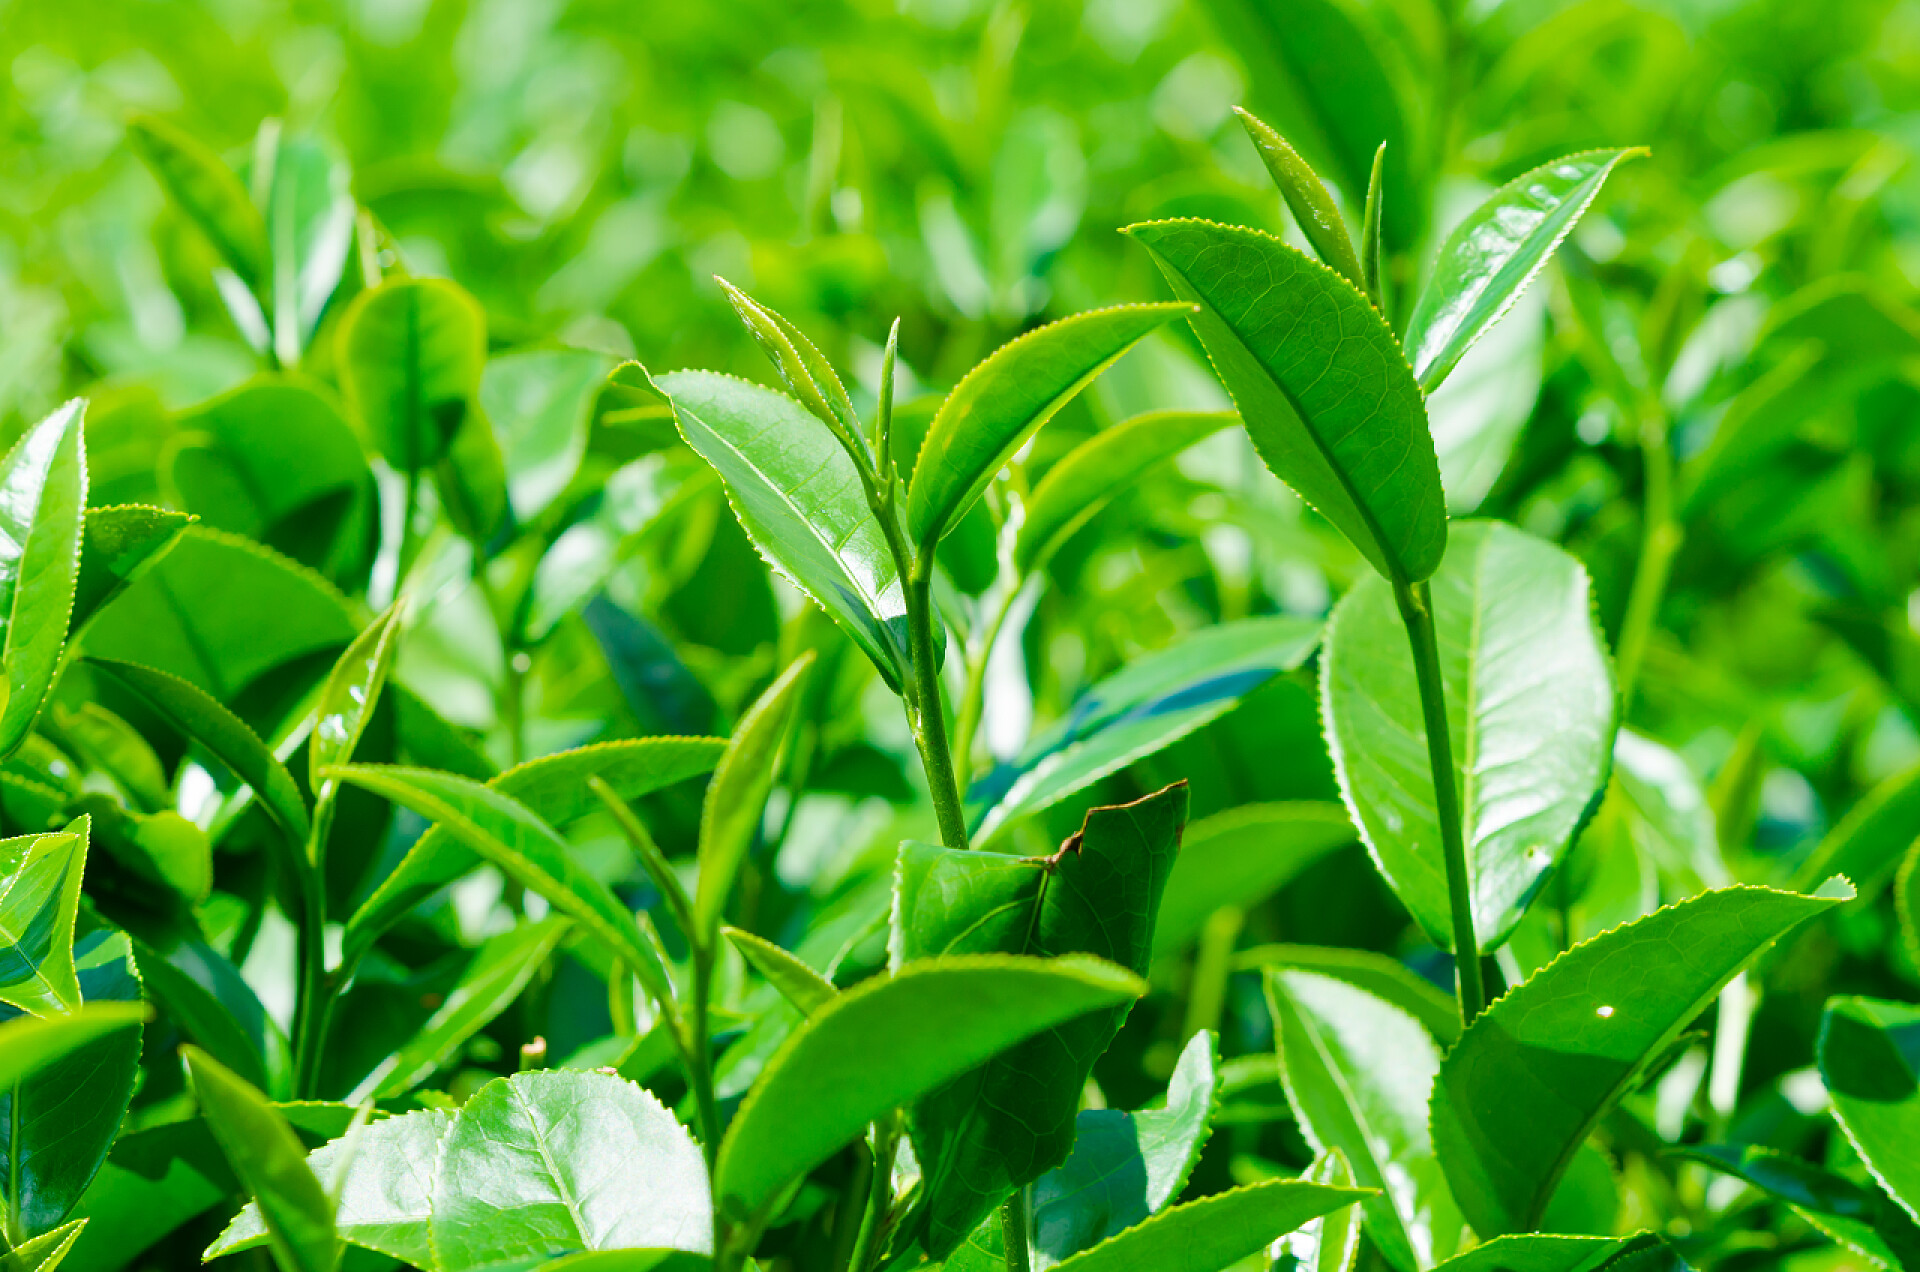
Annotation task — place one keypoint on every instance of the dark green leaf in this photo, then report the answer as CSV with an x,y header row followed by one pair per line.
x,y
737,796
1530,705
43,488
203,994
1136,711
499,828
1533,1075
1358,1071
1862,1218
1870,1060
885,1042
1490,257
1093,472
1906,896
410,353
799,984
1321,383
1868,843
114,543
1308,198
1241,857
56,1125
1002,1125
270,1163
493,978
208,192
555,788
30,1045
999,404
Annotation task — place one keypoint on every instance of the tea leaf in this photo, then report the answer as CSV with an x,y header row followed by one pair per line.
x,y
1005,399
1870,1061
1138,710
114,543
1534,1073
350,694
1377,975
809,377
45,1252
1539,1252
1867,844
1530,704
1002,1125
208,192
1358,1071
270,1164
410,353
799,984
1320,382
1491,257
737,796
39,898
1308,198
1215,1232
43,488
28,1046
885,1042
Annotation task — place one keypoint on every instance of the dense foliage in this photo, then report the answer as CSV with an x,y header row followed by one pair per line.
x,y
1154,634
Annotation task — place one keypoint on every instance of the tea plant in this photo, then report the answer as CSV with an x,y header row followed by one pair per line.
x,y
480,801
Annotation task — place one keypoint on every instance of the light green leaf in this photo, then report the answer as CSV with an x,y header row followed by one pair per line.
x,y
114,543
1002,1125
270,1163
1136,711
1530,705
540,404
1308,198
1092,473
57,1124
885,1042
1491,257
30,1045
410,355
44,1252
799,984
208,192
1321,383
493,978
43,490
799,498
1215,1233
1358,1071
809,377
387,1200
221,611
39,899
999,404
555,788
542,1162
502,830
737,796
1870,1060
350,694
1386,979
1241,857
1536,1252
198,716
1906,897
1867,844
1535,1072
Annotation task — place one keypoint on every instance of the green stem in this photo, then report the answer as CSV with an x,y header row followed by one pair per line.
x,y
313,1003
866,1251
1013,1232
1416,612
1659,543
700,1066
927,714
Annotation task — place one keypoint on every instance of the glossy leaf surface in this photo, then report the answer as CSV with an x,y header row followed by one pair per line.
x,y
1386,979
1530,705
1870,1061
1308,198
1491,257
1358,1072
1321,383
887,1041
1003,400
1215,1232
39,897
114,542
348,698
1138,710
799,984
410,354
43,488
1000,1126
1530,1078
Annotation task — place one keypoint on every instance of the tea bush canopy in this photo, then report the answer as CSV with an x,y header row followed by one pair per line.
x,y
988,635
